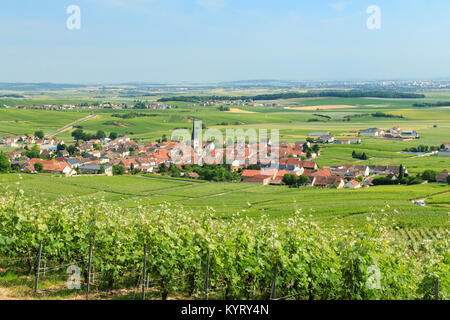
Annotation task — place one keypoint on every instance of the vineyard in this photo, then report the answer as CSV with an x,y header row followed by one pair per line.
x,y
196,257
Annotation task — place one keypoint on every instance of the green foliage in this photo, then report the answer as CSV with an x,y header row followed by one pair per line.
x,y
113,135
132,115
294,95
310,262
429,175
293,180
140,105
218,173
174,171
33,153
79,134
430,104
38,167
39,134
118,170
100,135
379,114
422,148
5,166
358,155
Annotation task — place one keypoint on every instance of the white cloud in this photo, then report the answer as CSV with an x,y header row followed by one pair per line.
x,y
212,5
340,6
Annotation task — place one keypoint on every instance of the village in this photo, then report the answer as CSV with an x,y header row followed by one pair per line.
x,y
108,105
117,155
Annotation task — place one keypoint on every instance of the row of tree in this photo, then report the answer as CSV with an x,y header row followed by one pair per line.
x,y
295,95
296,181
359,155
79,134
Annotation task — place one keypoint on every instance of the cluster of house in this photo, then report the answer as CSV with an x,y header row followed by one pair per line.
x,y
99,156
327,137
444,151
119,106
393,133
242,103
24,140
344,176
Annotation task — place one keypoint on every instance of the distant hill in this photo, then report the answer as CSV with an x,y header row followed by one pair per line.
x,y
37,86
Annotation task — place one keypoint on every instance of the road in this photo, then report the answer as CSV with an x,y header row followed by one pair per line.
x,y
70,126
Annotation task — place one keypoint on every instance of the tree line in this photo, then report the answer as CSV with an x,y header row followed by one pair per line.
x,y
309,94
435,104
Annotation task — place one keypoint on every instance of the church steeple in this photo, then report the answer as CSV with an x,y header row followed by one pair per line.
x,y
195,139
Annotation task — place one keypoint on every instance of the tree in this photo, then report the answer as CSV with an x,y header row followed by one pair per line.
x,y
448,179
113,135
118,170
401,173
290,180
100,134
34,153
303,180
429,175
72,150
39,134
78,134
174,171
163,168
254,167
316,148
140,105
5,166
38,167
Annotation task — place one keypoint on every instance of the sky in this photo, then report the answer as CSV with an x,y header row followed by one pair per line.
x,y
161,41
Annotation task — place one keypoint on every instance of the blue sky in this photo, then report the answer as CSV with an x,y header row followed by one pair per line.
x,y
221,40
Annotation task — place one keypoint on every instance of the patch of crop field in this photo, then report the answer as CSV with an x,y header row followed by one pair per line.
x,y
16,122
328,206
322,107
52,187
236,110
419,238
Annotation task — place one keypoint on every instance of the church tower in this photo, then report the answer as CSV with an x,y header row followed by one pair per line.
x,y
195,136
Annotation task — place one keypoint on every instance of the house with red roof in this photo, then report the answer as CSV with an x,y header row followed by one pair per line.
x,y
49,166
328,182
352,184
258,179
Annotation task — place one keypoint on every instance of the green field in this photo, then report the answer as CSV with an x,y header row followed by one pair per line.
x,y
126,198
330,207
433,124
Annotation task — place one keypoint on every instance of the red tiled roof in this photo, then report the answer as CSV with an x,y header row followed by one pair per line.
x,y
251,173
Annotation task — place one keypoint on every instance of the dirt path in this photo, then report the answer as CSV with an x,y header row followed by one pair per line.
x,y
318,108
235,110
5,294
70,125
